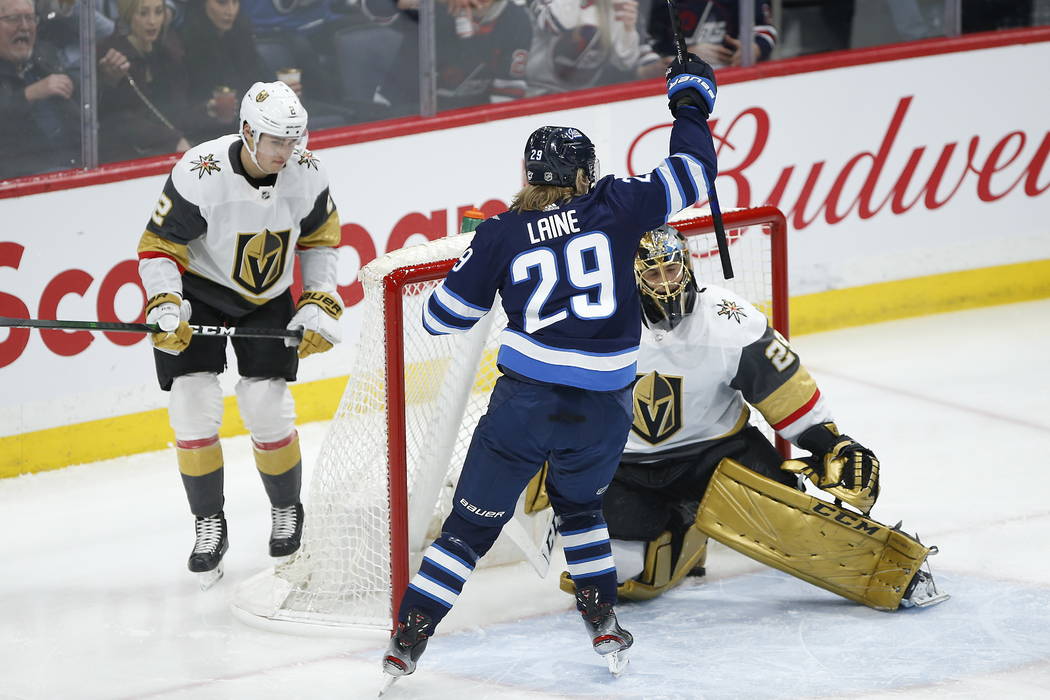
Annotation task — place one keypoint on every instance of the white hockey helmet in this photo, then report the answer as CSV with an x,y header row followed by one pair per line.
x,y
272,108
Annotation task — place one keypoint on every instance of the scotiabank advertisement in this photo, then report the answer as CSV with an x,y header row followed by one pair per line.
x,y
886,171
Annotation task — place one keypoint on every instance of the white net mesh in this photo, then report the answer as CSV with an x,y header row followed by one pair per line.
x,y
341,577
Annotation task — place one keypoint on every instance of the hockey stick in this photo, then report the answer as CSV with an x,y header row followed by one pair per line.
x,y
538,554
110,327
716,209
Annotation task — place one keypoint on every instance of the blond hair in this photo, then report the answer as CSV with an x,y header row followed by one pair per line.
x,y
539,197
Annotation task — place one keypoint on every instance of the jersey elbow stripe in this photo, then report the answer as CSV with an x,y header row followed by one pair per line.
x,y
803,410
456,305
690,187
436,326
698,175
675,194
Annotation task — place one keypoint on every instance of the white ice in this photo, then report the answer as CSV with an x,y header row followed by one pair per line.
x,y
96,602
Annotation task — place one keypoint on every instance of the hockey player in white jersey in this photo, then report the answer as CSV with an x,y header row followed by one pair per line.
x,y
695,467
218,250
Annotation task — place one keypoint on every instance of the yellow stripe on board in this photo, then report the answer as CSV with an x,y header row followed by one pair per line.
x,y
107,438
148,431
921,296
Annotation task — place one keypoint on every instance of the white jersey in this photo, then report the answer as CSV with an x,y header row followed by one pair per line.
x,y
228,229
695,382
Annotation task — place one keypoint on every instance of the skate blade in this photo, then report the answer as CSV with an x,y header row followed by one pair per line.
x,y
207,579
617,661
390,680
925,601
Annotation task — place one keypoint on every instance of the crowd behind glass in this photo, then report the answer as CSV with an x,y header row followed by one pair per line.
x,y
167,74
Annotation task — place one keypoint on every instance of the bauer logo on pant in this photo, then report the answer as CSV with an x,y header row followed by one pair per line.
x,y
657,407
260,259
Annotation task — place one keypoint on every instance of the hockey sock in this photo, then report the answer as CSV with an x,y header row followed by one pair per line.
x,y
200,463
588,553
280,466
446,565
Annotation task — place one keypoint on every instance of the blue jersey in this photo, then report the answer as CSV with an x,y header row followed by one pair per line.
x,y
566,274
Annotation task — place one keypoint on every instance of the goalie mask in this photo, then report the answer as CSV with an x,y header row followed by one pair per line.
x,y
554,153
272,108
663,270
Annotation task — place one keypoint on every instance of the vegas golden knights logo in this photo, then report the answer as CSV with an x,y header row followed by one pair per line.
x,y
260,259
657,407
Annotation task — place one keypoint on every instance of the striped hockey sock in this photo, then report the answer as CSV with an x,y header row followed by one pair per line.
x,y
588,552
447,564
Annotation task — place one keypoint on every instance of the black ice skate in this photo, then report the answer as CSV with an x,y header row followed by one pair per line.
x,y
286,530
212,543
406,646
609,639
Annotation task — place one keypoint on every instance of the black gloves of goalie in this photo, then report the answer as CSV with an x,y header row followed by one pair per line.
x,y
845,469
691,84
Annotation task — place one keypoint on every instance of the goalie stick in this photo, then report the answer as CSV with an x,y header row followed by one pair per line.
x,y
113,327
716,209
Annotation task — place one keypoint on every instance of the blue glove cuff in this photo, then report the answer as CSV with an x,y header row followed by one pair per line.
x,y
687,81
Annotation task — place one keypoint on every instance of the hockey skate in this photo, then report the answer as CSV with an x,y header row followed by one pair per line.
x,y
609,639
406,647
286,530
212,543
922,592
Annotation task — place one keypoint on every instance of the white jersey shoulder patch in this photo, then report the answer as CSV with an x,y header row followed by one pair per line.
x,y
729,318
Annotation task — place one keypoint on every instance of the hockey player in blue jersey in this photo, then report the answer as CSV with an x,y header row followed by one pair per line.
x,y
562,260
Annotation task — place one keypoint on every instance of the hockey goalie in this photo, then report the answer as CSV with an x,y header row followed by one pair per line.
x,y
694,467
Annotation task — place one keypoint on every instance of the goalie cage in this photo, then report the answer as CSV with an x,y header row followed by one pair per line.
x,y
384,478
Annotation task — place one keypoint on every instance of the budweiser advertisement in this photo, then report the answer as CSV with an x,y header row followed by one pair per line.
x,y
887,170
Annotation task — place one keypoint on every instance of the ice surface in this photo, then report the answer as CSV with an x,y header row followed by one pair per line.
x,y
96,602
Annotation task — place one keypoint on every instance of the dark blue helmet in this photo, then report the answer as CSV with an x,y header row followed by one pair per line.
x,y
554,153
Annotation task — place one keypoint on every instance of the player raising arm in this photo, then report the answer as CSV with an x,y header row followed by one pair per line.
x,y
707,357
219,250
561,259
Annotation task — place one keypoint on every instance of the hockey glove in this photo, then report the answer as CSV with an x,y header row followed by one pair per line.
x,y
691,84
171,313
317,315
838,465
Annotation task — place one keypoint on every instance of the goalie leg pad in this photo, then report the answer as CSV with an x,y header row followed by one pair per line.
x,y
660,573
816,541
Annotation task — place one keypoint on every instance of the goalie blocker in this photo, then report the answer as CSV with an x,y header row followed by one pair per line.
x,y
836,549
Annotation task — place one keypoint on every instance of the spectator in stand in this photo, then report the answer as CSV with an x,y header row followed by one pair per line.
x,y
143,91
711,29
580,45
41,122
221,63
987,15
60,28
482,49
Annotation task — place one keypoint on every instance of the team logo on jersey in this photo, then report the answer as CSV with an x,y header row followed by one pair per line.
x,y
308,159
657,407
205,165
260,259
731,310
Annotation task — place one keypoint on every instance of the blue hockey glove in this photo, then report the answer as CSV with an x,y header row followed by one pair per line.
x,y
691,84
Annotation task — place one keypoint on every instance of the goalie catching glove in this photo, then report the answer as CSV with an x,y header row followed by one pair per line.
x,y
317,315
171,313
838,465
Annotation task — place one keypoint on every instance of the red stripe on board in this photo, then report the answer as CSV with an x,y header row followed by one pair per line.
x,y
405,126
799,413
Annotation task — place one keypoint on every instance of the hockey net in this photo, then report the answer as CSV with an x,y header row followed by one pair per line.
x,y
390,460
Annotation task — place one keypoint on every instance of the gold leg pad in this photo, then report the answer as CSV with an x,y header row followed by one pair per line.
x,y
816,541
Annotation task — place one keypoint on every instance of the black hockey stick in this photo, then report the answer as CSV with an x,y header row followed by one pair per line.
x,y
215,331
716,210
